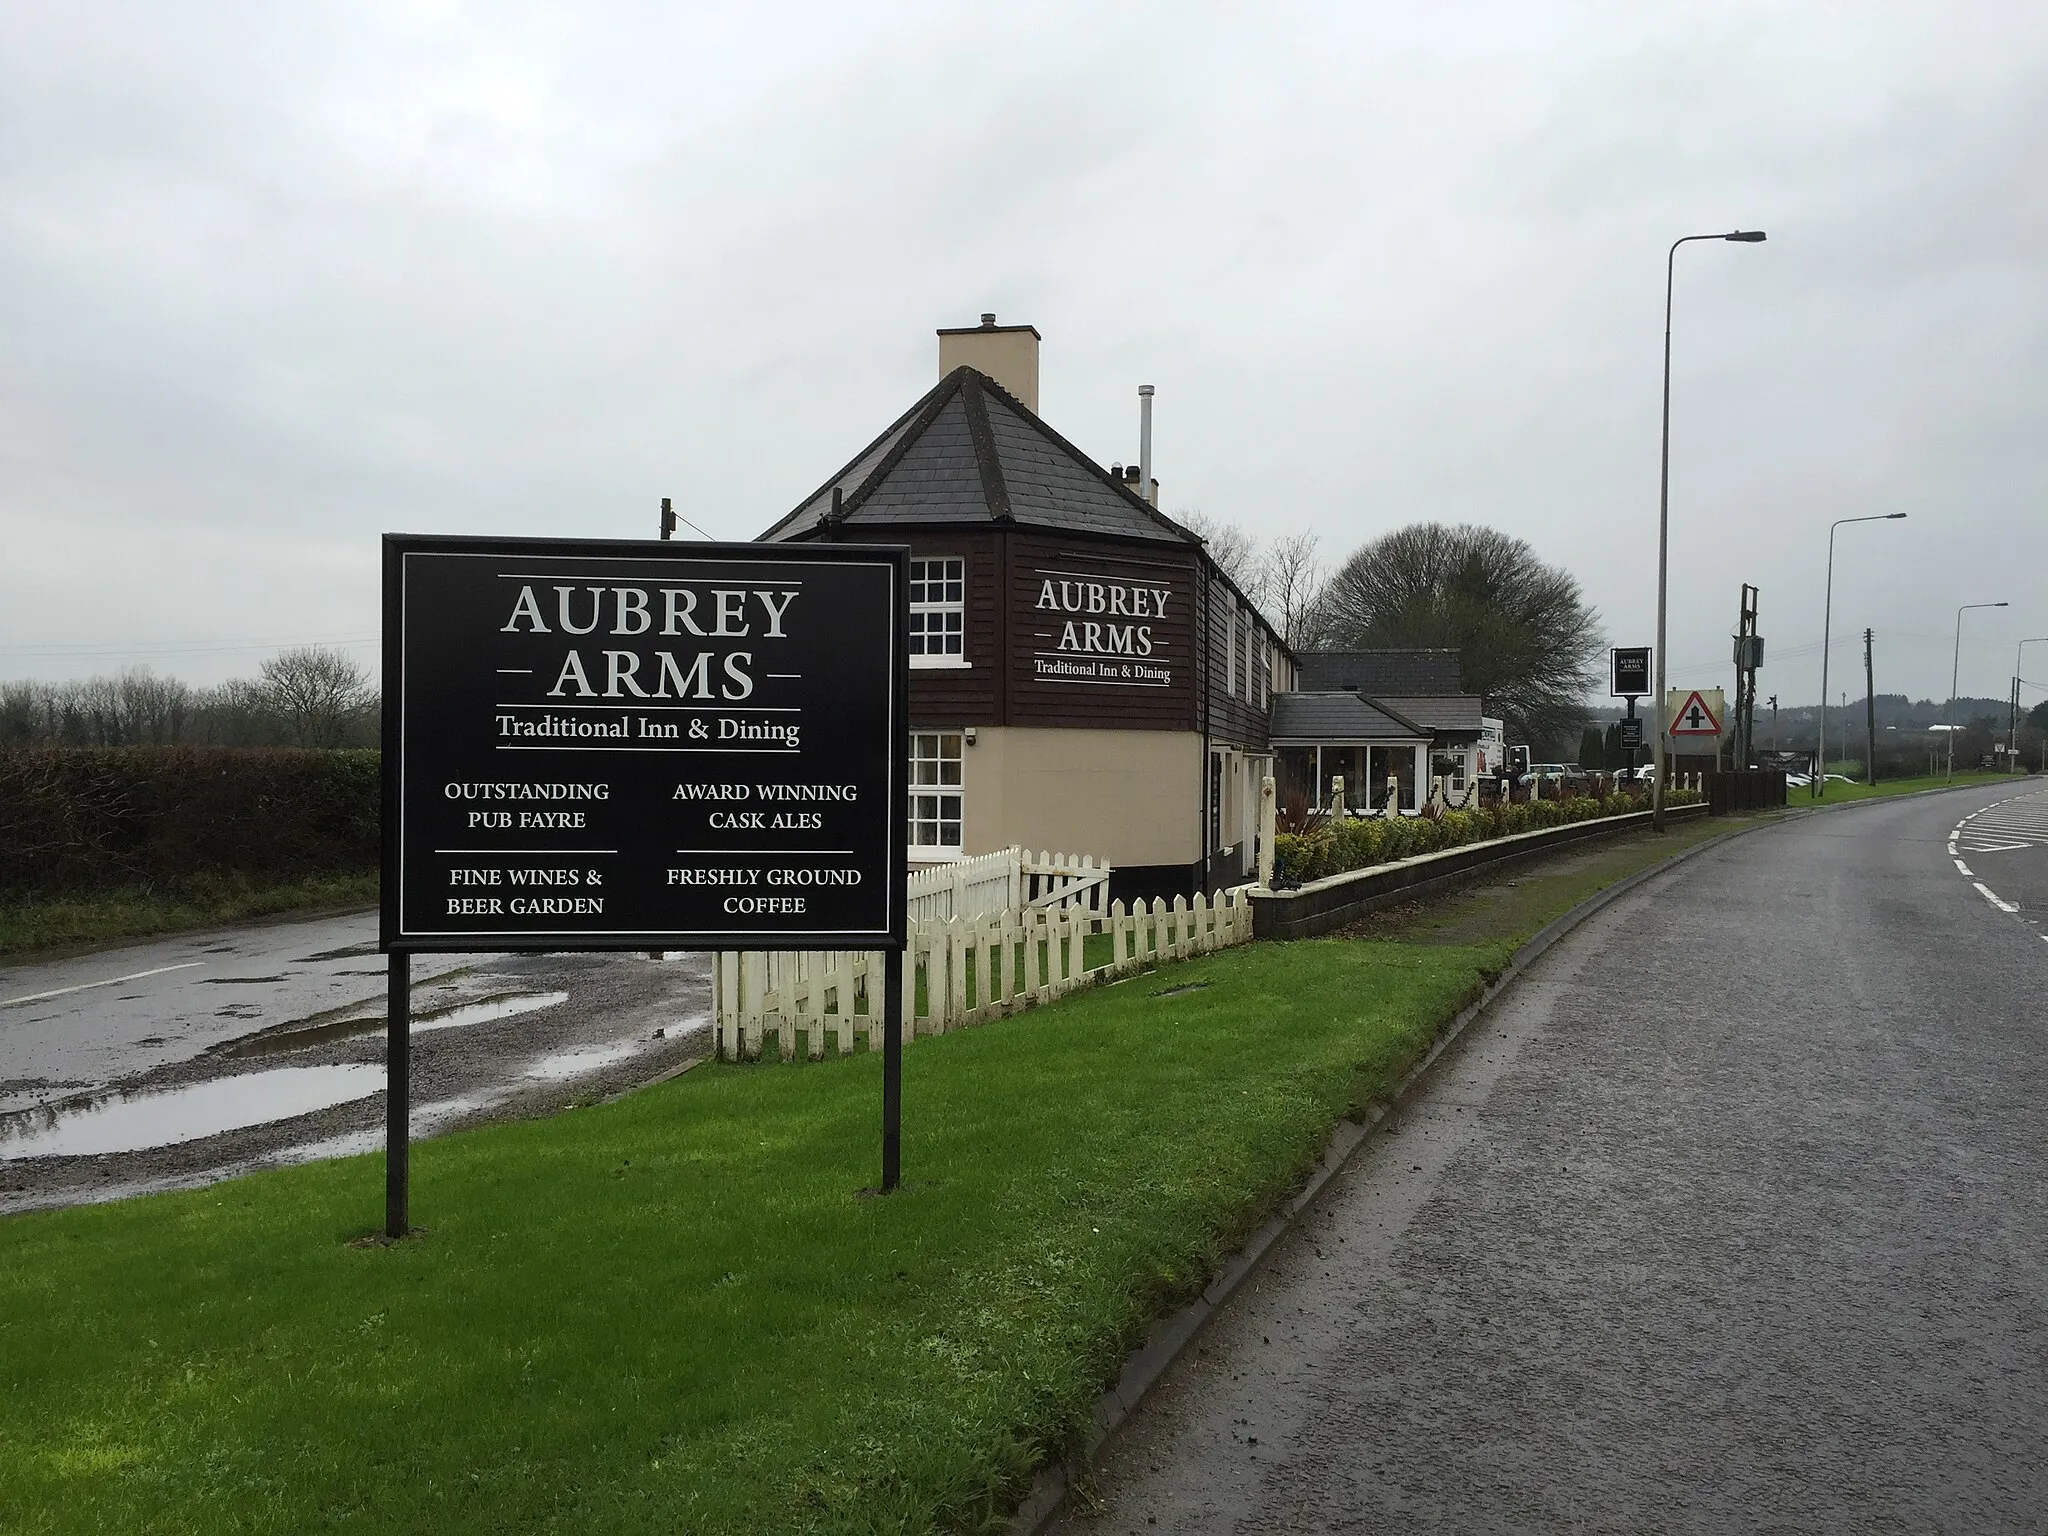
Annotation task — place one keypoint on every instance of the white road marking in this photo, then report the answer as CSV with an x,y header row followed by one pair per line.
x,y
87,986
2005,826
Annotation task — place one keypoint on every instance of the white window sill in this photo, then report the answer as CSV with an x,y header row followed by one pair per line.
x,y
940,663
936,856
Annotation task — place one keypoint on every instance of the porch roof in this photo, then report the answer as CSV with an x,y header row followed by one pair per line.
x,y
1312,719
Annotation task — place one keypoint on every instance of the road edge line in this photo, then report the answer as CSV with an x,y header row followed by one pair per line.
x,y
1170,1337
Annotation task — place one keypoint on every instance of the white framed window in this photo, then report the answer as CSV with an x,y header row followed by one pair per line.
x,y
938,611
936,790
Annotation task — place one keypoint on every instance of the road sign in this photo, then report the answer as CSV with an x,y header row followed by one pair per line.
x,y
1695,717
611,745
1629,668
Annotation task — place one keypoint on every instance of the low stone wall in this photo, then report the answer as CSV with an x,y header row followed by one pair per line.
x,y
1333,902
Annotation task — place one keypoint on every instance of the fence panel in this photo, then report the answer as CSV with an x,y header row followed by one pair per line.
x,y
960,970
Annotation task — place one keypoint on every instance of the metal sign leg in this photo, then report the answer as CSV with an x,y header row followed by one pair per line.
x,y
892,1069
397,1095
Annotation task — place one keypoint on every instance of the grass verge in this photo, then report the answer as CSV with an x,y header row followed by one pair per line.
x,y
1837,793
29,926
675,1312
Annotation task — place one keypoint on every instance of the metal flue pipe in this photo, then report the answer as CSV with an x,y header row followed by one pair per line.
x,y
1145,441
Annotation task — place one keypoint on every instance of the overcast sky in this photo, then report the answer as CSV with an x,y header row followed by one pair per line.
x,y
277,279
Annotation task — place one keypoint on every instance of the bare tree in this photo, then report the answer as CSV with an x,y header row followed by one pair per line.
x,y
1235,551
152,709
1293,584
1525,638
317,693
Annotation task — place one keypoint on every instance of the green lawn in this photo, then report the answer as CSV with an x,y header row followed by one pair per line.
x,y
674,1312
1838,792
26,927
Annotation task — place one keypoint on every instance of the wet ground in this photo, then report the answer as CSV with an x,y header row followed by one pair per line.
x,y
181,1061
1726,1217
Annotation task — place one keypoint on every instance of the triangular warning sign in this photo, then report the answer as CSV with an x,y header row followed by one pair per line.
x,y
1694,718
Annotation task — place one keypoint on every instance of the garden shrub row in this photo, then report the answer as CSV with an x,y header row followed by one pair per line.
x,y
1361,843
182,819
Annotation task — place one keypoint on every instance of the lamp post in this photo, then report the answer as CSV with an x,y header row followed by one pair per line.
x,y
1820,772
2012,735
1746,237
1955,673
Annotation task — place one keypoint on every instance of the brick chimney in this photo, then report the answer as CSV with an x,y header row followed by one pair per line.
x,y
1006,353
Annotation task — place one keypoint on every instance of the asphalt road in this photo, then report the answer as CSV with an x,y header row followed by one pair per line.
x,y
187,1059
1730,1217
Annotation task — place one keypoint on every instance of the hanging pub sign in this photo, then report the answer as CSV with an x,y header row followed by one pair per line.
x,y
1629,669
613,745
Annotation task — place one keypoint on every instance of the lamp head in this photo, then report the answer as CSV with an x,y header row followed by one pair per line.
x,y
1893,517
1746,236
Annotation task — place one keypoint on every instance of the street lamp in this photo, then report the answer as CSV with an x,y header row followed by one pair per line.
x,y
1955,673
1820,772
2012,735
1745,237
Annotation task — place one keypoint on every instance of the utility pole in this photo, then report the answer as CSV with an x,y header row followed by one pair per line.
x,y
1749,655
1869,714
1773,702
2013,726
668,519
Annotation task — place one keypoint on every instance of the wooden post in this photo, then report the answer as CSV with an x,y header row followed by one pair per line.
x,y
1266,832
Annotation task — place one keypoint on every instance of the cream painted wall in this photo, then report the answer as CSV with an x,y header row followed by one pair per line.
x,y
1132,797
1007,354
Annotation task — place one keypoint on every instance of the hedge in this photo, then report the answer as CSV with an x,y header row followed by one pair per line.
x,y
76,820
1364,842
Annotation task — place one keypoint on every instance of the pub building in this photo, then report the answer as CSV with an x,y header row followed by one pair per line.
x,y
1371,717
1084,677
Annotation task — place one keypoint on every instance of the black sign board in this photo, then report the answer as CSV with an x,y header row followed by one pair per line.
x,y
611,745
1632,732
1631,671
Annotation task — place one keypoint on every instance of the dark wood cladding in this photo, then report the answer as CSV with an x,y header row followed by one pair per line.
x,y
970,695
1233,721
1009,633
1082,623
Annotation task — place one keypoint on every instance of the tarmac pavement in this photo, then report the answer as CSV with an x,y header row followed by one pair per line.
x,y
1728,1217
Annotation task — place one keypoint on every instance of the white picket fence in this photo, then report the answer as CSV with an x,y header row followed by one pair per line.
x,y
1005,880
958,971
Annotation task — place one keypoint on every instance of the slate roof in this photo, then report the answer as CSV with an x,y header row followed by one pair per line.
x,y
1339,717
970,452
1445,714
1382,674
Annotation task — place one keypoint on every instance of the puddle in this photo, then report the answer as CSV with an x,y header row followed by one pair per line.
x,y
505,1005
350,952
133,1122
568,1064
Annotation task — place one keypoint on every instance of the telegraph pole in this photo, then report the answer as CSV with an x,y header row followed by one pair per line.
x,y
1749,655
1869,714
1773,702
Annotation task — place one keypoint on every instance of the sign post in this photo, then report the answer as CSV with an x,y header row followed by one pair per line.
x,y
1629,678
611,745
